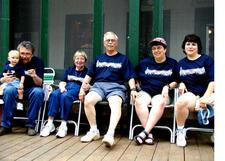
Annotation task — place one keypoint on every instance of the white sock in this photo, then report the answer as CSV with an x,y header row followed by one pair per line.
x,y
63,123
180,127
50,122
93,128
110,132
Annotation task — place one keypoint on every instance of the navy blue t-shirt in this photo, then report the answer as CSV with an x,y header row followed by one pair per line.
x,y
72,75
116,68
196,74
37,64
154,76
17,71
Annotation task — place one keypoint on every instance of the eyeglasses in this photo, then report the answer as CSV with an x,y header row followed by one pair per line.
x,y
158,47
112,40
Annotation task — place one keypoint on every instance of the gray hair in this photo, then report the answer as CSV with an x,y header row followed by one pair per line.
x,y
110,33
80,53
27,45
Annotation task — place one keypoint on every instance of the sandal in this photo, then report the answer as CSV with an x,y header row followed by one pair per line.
x,y
140,138
149,139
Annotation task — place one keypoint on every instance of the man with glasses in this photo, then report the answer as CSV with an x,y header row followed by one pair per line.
x,y
109,71
33,92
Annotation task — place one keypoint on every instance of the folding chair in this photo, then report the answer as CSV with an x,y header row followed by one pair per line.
x,y
49,85
171,130
49,74
198,129
25,118
100,103
75,123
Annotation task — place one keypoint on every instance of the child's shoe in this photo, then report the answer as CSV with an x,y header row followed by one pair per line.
x,y
1,102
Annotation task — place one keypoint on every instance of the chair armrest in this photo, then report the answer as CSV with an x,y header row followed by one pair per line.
x,y
54,86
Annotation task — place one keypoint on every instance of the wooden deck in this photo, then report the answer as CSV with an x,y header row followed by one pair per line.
x,y
19,146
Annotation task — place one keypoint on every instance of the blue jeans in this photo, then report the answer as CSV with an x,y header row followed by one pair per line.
x,y
14,83
62,102
34,95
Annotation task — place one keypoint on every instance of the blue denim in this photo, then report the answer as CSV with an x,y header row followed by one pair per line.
x,y
62,102
34,95
14,83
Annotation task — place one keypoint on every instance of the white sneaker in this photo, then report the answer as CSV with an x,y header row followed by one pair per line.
x,y
91,135
1,102
181,134
108,140
62,131
48,128
19,106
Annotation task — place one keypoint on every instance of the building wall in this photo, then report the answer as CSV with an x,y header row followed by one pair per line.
x,y
58,10
115,19
182,22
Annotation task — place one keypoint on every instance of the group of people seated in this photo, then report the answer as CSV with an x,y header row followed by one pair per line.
x,y
150,82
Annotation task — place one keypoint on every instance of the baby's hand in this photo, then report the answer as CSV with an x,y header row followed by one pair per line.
x,y
21,86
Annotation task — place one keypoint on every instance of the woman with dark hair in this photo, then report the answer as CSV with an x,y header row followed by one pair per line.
x,y
197,80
